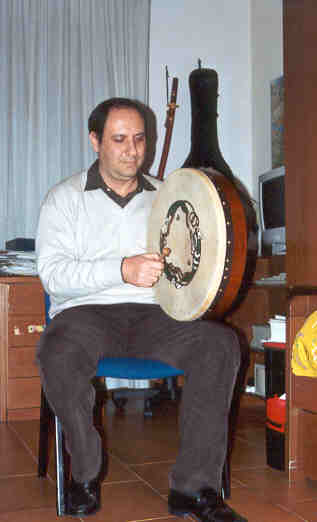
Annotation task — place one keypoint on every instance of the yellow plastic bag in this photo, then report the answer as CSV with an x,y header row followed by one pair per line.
x,y
304,354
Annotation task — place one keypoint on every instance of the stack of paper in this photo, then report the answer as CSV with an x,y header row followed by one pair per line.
x,y
278,329
18,263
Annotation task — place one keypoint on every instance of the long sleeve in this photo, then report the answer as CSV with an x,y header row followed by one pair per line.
x,y
81,239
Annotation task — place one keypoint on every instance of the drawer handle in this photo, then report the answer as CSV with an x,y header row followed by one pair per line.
x,y
31,328
35,328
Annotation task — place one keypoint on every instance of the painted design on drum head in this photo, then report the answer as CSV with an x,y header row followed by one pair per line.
x,y
180,234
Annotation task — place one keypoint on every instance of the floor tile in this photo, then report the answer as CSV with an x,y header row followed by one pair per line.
x,y
25,492
307,510
130,502
155,474
119,471
141,453
169,519
136,439
283,493
28,432
15,458
248,456
257,509
33,515
256,436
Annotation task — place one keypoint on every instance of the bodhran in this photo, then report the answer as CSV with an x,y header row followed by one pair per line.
x,y
198,224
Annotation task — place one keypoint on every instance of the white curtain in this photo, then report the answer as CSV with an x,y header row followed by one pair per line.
x,y
58,60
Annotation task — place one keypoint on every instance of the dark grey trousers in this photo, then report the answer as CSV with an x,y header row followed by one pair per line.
x,y
207,351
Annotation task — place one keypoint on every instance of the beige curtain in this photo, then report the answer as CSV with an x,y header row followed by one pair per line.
x,y
58,59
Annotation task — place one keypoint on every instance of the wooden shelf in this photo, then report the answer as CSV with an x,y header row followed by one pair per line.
x,y
260,304
22,318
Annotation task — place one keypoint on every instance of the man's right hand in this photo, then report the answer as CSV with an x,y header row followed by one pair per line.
x,y
142,270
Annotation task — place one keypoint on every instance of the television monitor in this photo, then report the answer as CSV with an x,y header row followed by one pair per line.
x,y
272,212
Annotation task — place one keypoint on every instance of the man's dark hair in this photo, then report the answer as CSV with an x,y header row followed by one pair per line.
x,y
99,116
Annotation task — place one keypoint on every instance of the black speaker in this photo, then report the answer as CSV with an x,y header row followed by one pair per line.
x,y
274,372
275,452
21,243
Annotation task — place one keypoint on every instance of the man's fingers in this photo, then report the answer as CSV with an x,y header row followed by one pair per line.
x,y
143,269
153,255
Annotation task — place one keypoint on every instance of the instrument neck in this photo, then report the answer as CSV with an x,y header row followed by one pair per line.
x,y
205,150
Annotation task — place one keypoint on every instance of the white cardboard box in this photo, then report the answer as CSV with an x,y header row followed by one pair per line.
x,y
259,379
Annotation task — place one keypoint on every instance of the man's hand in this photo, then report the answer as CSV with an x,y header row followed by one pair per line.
x,y
142,270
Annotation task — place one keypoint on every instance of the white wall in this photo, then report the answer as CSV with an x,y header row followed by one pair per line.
x,y
219,34
267,64
224,35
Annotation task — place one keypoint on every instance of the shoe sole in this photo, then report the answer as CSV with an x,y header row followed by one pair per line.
x,y
185,514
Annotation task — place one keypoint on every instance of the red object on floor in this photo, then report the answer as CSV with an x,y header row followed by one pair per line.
x,y
273,344
276,413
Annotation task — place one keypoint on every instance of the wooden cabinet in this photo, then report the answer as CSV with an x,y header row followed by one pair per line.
x,y
301,440
22,319
300,140
300,153
262,301
260,304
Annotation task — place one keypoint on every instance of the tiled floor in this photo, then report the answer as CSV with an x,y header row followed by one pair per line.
x,y
141,452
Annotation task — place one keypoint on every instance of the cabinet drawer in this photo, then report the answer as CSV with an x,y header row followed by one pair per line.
x,y
305,393
25,414
24,393
26,299
308,424
21,363
25,331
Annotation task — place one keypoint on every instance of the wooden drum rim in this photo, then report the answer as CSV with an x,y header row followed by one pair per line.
x,y
221,232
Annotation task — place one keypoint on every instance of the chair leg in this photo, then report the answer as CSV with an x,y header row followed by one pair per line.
x,y
147,411
62,460
100,400
118,401
171,387
60,472
226,482
45,418
120,398
167,391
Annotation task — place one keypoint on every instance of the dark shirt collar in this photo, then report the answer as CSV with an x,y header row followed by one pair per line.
x,y
95,181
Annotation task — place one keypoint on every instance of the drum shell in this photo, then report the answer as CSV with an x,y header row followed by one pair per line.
x,y
237,250
219,301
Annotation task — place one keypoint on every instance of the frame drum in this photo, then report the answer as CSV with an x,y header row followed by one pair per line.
x,y
198,224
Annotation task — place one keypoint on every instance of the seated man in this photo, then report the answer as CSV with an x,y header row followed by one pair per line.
x,y
92,260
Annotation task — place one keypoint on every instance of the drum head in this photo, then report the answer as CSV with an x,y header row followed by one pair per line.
x,y
188,221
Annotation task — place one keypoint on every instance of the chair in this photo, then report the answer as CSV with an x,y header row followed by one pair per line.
x,y
117,367
132,368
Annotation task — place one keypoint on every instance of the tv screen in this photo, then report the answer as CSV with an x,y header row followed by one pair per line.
x,y
272,212
273,202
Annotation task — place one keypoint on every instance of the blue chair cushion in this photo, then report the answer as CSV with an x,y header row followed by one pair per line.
x,y
128,367
133,368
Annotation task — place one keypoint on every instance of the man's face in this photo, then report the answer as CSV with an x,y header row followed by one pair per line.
x,y
122,149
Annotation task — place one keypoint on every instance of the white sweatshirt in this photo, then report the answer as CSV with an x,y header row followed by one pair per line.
x,y
81,239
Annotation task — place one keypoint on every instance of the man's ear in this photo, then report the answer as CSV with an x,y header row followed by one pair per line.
x,y
94,141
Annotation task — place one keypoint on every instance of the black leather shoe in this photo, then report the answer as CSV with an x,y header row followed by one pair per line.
x,y
208,506
83,498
